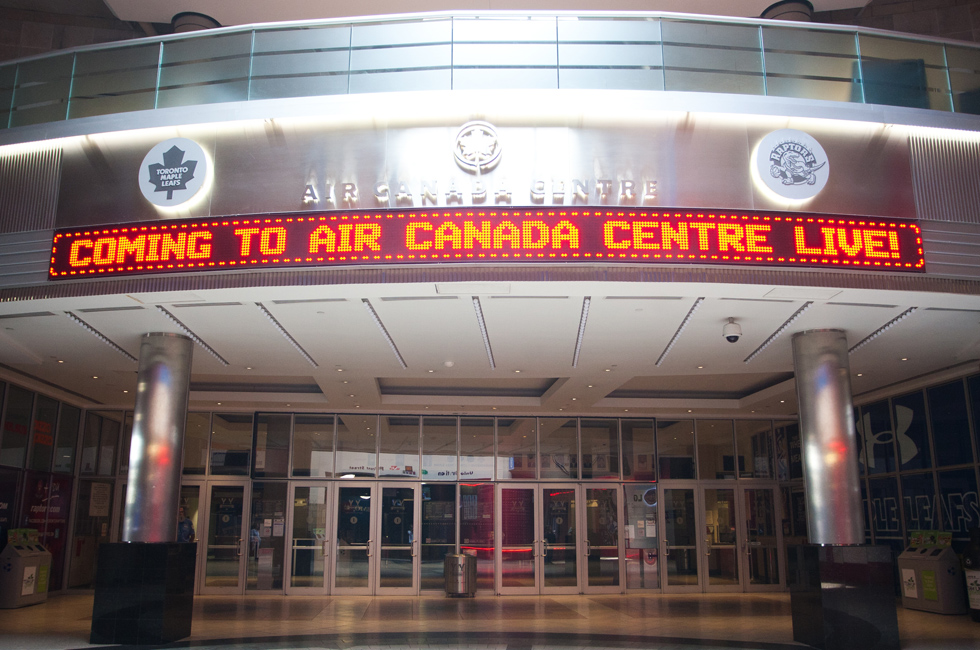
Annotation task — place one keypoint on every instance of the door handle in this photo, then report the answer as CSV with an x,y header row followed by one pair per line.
x,y
239,550
588,548
536,548
666,547
369,554
707,543
326,547
544,548
414,548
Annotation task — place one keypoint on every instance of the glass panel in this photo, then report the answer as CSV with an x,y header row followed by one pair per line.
x,y
638,450
9,483
125,443
947,412
402,32
919,498
399,446
418,57
760,525
720,519
600,449
397,536
224,536
47,501
675,445
16,426
42,90
964,78
973,386
611,78
642,561
558,438
357,446
513,55
8,74
196,442
516,449
810,42
517,537
716,449
680,535
911,432
886,523
789,457
380,82
712,35
610,55
205,70
475,449
476,529
313,446
45,417
93,513
90,443
958,495
231,443
897,72
559,549
604,30
272,444
875,428
602,536
353,535
188,512
491,78
309,536
266,537
109,441
753,441
503,30
438,532
300,62
114,80
67,442
439,449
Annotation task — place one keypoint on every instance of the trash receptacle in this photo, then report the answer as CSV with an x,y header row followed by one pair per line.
x,y
460,572
932,579
25,566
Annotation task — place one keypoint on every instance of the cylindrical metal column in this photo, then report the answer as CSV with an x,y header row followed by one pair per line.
x,y
156,453
829,441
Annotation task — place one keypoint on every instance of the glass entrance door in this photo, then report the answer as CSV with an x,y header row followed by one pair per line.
x,y
679,542
763,539
517,525
719,511
603,544
227,538
309,544
376,542
559,553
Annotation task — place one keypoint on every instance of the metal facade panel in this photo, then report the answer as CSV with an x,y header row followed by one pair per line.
x,y
952,249
24,258
946,176
29,189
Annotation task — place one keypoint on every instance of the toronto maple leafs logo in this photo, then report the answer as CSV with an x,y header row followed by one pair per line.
x,y
477,147
792,164
173,172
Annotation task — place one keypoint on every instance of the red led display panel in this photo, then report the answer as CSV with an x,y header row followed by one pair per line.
x,y
496,235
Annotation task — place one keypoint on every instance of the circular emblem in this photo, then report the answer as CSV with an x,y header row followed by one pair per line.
x,y
353,520
398,520
650,497
792,164
477,147
173,172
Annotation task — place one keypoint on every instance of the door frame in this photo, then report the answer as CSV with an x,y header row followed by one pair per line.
x,y
744,543
498,535
326,544
583,526
416,487
204,524
664,544
704,546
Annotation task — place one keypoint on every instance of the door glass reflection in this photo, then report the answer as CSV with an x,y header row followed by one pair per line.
x,y
679,534
559,549
642,555
309,535
353,535
476,529
602,522
266,536
225,543
720,536
438,533
760,523
517,537
397,541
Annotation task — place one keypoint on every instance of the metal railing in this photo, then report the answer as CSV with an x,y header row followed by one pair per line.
x,y
631,51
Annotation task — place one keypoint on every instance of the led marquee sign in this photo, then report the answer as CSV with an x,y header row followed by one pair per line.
x,y
471,235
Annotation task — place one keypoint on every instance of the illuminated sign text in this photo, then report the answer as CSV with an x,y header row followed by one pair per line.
x,y
489,235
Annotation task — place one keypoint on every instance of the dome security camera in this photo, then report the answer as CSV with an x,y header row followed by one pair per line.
x,y
732,331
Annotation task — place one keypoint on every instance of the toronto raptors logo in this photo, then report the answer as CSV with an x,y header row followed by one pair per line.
x,y
792,164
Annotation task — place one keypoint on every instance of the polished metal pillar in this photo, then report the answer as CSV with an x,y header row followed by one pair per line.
x,y
156,453
829,441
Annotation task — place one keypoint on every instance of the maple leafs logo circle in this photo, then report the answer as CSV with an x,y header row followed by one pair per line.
x,y
173,172
477,147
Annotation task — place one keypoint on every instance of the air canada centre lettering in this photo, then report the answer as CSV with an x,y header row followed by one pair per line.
x,y
489,235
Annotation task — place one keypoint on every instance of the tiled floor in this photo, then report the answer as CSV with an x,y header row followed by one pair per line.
x,y
648,622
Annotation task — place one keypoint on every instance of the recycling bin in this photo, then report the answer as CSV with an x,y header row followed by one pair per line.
x,y
460,573
932,580
25,568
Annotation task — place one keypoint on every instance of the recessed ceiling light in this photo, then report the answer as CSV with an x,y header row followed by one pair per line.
x,y
608,369
689,411
590,385
288,404
351,395
219,403
626,410
61,360
905,358
95,376
574,398
340,369
248,367
125,391
700,367
782,401
432,371
561,409
517,371
860,374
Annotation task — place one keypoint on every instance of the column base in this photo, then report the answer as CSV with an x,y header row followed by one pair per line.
x,y
843,597
144,593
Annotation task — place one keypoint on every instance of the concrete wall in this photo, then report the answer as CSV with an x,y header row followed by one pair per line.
x,y
26,33
958,19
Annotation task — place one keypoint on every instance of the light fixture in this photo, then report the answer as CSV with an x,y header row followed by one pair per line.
x,y
384,331
95,376
432,371
860,374
700,367
905,358
881,330
286,335
680,330
581,329
483,330
61,360
341,370
590,385
779,331
194,337
517,371
99,335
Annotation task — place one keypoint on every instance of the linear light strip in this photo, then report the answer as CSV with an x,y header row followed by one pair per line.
x,y
194,337
384,331
680,329
581,329
102,337
286,335
483,330
779,331
881,330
